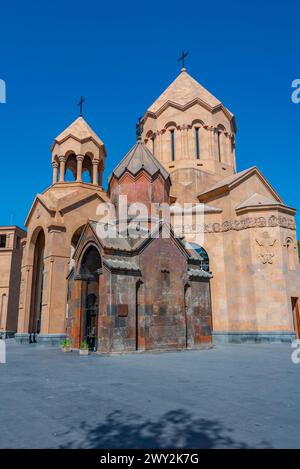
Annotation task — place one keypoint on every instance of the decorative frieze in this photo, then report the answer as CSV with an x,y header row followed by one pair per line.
x,y
245,223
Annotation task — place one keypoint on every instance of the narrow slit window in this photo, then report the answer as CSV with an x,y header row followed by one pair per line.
x,y
197,143
173,144
2,241
219,145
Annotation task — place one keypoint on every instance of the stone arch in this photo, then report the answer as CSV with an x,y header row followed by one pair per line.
x,y
197,123
74,241
89,267
87,168
203,254
38,247
70,173
89,257
3,304
32,242
171,124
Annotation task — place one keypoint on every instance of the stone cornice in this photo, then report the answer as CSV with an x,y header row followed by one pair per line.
x,y
56,228
186,106
259,208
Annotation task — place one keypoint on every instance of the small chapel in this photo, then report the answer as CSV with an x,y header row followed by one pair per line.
x,y
148,291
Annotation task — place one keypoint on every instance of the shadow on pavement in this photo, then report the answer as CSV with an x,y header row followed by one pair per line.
x,y
175,429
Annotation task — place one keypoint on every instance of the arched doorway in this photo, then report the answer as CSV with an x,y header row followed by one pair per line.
x,y
187,304
89,275
137,315
37,287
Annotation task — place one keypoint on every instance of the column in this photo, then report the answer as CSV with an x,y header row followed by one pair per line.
x,y
217,147
95,172
62,167
182,131
55,168
158,145
101,175
211,142
79,159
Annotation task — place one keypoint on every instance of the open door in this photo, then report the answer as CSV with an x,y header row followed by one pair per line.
x,y
296,316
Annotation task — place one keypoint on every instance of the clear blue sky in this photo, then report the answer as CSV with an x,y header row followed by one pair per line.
x,y
121,56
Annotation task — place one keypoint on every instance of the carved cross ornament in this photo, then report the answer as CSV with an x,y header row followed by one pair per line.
x,y
266,244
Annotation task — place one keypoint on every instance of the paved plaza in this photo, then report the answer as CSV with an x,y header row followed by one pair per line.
x,y
233,396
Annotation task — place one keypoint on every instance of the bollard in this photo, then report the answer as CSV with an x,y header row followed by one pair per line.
x,y
2,351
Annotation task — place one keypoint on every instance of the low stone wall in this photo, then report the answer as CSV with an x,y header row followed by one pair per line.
x,y
48,340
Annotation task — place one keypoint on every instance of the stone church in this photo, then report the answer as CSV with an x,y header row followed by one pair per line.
x,y
150,292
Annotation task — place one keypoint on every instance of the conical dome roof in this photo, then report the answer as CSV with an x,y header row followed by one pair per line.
x,y
138,158
80,130
183,91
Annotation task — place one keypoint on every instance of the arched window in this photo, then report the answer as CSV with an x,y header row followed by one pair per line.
x,y
153,145
197,143
172,131
219,144
204,256
290,254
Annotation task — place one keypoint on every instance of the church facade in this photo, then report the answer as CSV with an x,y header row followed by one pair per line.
x,y
241,283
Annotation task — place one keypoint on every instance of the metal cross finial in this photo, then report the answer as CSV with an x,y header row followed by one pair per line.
x,y
184,54
82,99
139,128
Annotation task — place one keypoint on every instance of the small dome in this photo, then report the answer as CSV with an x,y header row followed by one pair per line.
x,y
138,158
81,131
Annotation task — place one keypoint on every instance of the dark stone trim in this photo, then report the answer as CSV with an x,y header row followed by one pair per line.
x,y
252,337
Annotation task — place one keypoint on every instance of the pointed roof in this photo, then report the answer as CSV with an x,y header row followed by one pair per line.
x,y
139,157
228,183
262,202
183,91
255,200
81,131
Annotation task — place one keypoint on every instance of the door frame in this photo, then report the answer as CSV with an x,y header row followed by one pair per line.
x,y
296,315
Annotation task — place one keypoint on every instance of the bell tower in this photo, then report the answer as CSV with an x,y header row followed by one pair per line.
x,y
193,135
78,150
